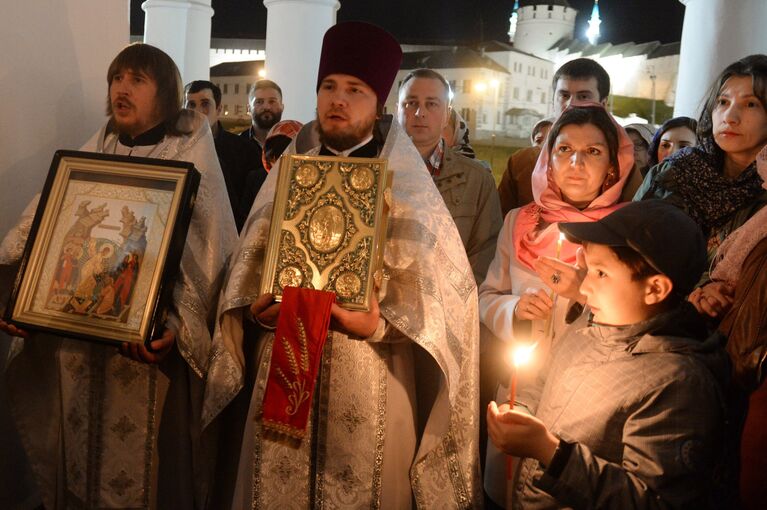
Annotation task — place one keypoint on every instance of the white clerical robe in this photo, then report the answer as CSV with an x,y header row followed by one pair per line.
x,y
101,430
395,416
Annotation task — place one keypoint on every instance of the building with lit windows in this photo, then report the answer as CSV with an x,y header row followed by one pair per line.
x,y
499,88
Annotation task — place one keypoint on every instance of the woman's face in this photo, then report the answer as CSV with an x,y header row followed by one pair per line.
x,y
739,119
674,139
580,161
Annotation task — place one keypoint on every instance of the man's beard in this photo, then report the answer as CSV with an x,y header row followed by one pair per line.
x,y
265,120
351,136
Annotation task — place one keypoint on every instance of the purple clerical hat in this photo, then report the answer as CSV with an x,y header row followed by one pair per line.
x,y
364,51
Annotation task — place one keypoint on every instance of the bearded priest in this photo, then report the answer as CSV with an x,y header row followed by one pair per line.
x,y
393,420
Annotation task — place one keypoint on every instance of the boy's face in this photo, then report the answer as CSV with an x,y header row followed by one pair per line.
x,y
614,297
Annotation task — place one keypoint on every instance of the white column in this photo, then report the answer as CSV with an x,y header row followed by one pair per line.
x,y
54,82
181,28
715,34
294,30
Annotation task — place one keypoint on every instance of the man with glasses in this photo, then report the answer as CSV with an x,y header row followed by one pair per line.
x,y
467,188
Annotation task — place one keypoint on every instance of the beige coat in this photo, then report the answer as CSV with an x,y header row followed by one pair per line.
x,y
468,190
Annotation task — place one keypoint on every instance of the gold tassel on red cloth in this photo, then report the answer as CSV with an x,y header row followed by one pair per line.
x,y
302,329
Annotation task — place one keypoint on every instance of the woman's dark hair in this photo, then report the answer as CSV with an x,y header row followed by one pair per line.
x,y
676,122
156,64
596,115
754,66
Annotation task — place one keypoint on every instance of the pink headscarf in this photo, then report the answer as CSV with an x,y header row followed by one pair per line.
x,y
536,229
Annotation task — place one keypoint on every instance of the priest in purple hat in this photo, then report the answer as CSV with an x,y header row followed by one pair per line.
x,y
393,422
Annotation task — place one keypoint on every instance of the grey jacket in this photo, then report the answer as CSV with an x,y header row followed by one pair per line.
x,y
640,413
468,190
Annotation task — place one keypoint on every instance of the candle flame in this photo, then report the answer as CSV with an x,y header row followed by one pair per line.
x,y
522,354
561,236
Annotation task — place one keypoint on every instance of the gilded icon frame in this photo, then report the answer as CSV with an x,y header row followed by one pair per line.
x,y
328,227
84,276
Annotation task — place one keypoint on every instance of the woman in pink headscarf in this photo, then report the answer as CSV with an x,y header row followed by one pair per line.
x,y
579,176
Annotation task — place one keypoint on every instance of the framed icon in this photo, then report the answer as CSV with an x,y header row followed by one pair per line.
x,y
104,248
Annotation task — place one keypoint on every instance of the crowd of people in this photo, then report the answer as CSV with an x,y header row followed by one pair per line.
x,y
630,261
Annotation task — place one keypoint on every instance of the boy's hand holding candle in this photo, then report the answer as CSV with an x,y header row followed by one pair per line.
x,y
519,434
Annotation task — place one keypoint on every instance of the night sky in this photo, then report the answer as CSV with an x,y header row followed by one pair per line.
x,y
456,21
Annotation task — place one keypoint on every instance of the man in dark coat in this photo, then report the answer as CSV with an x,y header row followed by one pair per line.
x,y
237,157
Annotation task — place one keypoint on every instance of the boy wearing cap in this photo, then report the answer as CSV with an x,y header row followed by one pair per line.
x,y
628,411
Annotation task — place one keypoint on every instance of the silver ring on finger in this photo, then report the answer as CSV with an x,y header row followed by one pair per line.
x,y
556,277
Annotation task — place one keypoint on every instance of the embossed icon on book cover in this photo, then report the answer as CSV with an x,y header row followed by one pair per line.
x,y
328,227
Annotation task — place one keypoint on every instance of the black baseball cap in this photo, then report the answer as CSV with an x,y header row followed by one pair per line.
x,y
668,239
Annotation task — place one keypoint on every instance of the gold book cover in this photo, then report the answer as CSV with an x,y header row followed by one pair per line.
x,y
328,227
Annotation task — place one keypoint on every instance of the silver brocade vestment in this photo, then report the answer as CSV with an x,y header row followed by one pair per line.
x,y
429,301
90,418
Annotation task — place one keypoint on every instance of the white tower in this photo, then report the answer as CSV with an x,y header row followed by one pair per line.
x,y
513,21
592,34
541,23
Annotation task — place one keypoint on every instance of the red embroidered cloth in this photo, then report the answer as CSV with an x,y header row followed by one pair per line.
x,y
302,329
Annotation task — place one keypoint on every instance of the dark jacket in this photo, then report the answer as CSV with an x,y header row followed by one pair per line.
x,y
516,189
238,159
640,413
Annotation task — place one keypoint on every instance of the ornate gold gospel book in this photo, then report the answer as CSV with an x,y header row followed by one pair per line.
x,y
328,227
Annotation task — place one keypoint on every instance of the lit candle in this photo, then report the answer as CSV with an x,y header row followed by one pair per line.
x,y
518,356
559,244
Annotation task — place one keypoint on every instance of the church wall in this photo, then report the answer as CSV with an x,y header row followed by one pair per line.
x,y
528,86
478,107
667,71
630,76
53,84
627,75
235,99
219,56
715,34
